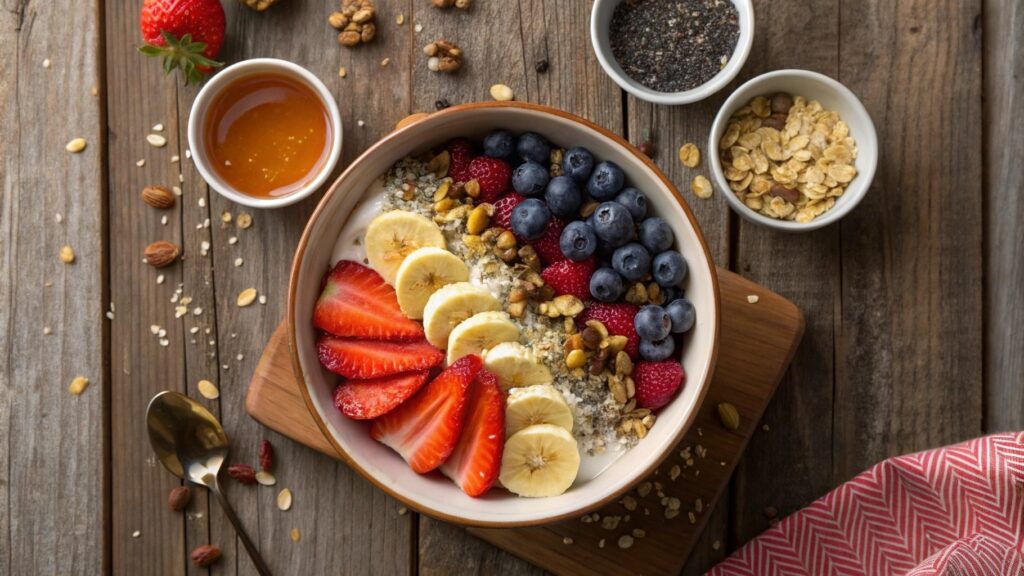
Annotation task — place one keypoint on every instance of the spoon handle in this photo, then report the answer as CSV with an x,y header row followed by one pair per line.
x,y
261,566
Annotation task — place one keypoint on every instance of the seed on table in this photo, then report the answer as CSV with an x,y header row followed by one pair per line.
x,y
75,146
156,140
501,93
265,478
67,255
78,385
284,499
208,390
753,298
246,297
729,416
296,535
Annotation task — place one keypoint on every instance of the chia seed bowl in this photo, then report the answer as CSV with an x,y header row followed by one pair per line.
x,y
635,34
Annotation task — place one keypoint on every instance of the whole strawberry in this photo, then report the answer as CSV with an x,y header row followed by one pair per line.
x,y
503,209
547,246
187,34
568,277
461,152
618,319
494,177
657,382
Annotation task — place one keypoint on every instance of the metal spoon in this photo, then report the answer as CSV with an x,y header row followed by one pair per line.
x,y
191,444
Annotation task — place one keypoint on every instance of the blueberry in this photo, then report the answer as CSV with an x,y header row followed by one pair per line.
x,y
652,323
606,285
499,144
613,224
632,261
578,241
634,201
655,235
578,163
655,350
606,181
530,178
682,314
533,146
563,197
530,218
672,293
669,268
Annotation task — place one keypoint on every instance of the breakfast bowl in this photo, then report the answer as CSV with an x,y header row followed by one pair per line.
x,y
600,25
833,97
264,87
432,493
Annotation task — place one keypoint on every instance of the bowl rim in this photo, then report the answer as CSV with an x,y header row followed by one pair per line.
x,y
863,179
739,58
238,70
300,252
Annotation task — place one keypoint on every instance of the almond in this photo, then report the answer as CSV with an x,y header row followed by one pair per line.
x,y
161,253
158,197
179,498
205,555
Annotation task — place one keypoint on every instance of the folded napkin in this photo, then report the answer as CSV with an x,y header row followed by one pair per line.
x,y
950,511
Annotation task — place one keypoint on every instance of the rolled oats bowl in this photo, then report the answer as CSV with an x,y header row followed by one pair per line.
x,y
432,493
813,169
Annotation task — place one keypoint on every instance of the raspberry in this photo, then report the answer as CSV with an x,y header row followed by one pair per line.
x,y
461,151
657,382
547,246
493,175
618,319
503,210
568,277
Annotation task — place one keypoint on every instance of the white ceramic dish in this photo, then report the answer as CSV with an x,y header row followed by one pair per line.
x,y
600,19
833,96
432,493
197,119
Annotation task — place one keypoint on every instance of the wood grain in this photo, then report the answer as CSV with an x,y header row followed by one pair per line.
x,y
908,370
803,267
759,341
1004,212
52,466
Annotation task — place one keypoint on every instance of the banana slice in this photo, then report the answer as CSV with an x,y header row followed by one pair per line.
x,y
393,235
452,304
515,366
539,404
539,460
423,272
479,332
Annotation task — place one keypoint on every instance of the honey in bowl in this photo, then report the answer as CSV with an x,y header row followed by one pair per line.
x,y
267,135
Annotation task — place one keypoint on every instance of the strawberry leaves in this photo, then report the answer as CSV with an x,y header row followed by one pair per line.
x,y
182,54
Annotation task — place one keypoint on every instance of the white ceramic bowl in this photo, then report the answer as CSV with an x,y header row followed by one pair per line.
x,y
600,19
432,493
201,105
833,96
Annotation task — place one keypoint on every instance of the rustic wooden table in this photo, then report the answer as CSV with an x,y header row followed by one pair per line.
x,y
913,311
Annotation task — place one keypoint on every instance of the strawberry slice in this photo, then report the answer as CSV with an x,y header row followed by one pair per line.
x,y
356,302
476,460
367,399
425,429
362,359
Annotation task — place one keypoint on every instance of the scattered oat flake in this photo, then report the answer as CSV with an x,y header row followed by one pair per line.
x,y
208,390
600,543
753,298
284,499
141,162
402,510
501,93
567,540
75,146
136,534
160,279
625,541
400,19
175,159
418,28
716,544
296,535
265,478
360,123
263,299
246,297
385,62
78,385
342,72
156,140
233,240
46,63
701,187
176,190
158,127
238,262
202,202
58,217
47,331
67,255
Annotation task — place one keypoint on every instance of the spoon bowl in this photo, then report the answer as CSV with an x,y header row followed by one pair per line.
x,y
190,442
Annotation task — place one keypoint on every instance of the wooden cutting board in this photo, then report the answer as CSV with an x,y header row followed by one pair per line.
x,y
757,342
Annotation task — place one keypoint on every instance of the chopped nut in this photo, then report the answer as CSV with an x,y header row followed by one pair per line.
x,y
479,218
161,253
78,385
588,208
448,54
501,93
753,298
599,327
506,240
575,359
472,188
516,309
623,364
67,255
439,164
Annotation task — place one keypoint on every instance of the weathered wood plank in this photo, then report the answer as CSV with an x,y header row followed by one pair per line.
x,y
1004,212
804,268
52,473
346,524
503,41
908,369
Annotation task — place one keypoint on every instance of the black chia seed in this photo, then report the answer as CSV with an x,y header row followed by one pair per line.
x,y
673,45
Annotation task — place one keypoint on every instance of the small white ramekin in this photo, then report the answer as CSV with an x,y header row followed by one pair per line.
x,y
833,96
600,21
201,105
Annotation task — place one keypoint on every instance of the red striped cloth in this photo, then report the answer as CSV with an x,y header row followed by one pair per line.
x,y
950,511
